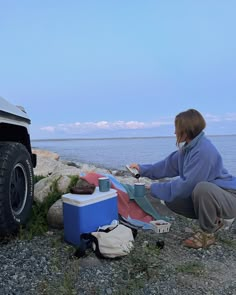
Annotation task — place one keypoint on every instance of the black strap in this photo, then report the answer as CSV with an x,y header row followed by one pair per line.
x,y
83,246
108,229
89,239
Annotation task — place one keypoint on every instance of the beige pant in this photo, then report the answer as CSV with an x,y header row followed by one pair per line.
x,y
208,203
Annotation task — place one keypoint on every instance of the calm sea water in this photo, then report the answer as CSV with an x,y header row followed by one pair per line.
x,y
116,153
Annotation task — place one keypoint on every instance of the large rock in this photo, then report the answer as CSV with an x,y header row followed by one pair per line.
x,y
46,154
45,186
46,166
55,215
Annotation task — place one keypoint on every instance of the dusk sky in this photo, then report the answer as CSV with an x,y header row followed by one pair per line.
x,y
118,68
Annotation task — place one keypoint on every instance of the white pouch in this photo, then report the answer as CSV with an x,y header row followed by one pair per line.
x,y
113,242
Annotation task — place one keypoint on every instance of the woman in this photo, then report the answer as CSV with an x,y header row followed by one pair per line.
x,y
201,187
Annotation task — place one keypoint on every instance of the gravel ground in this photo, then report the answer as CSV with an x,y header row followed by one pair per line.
x,y
46,265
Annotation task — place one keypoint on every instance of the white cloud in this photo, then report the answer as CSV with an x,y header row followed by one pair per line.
x,y
220,118
79,127
230,117
48,128
103,128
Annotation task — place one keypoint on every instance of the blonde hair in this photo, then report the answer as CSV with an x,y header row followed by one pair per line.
x,y
190,123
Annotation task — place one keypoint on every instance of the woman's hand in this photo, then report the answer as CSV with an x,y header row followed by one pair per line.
x,y
134,166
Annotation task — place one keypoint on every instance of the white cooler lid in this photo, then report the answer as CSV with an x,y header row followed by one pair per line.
x,y
82,200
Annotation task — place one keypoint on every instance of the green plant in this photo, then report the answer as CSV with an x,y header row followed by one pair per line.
x,y
228,242
191,267
73,182
37,178
138,267
37,223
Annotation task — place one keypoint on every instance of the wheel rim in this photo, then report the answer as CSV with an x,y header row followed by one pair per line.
x,y
18,189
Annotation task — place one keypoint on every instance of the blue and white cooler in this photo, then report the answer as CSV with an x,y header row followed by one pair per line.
x,y
85,213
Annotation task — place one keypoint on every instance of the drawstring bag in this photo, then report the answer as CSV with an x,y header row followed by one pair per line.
x,y
112,242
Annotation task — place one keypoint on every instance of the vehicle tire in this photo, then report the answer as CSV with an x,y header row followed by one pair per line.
x,y
16,187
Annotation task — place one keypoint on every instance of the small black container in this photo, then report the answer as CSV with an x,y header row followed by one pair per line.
x,y
160,244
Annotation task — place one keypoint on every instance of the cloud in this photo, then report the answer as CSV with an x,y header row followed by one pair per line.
x,y
87,127
119,128
212,118
48,128
230,117
220,118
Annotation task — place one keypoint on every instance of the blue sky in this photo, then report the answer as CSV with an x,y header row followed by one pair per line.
x,y
118,68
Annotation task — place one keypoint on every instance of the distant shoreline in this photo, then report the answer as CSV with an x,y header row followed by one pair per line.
x,y
103,138
118,138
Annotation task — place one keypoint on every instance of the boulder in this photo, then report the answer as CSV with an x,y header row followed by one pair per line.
x,y
46,154
45,186
55,215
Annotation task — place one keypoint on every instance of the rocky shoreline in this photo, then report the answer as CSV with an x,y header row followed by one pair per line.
x,y
46,264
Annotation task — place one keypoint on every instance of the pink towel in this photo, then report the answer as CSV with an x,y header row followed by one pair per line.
x,y
126,207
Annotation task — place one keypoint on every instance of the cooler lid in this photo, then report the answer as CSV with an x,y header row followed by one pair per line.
x,y
81,200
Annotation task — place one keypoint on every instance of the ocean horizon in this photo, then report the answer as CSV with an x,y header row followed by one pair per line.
x,y
116,152
117,137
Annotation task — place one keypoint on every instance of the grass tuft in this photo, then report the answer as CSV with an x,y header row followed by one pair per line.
x,y
228,242
37,178
138,267
191,267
